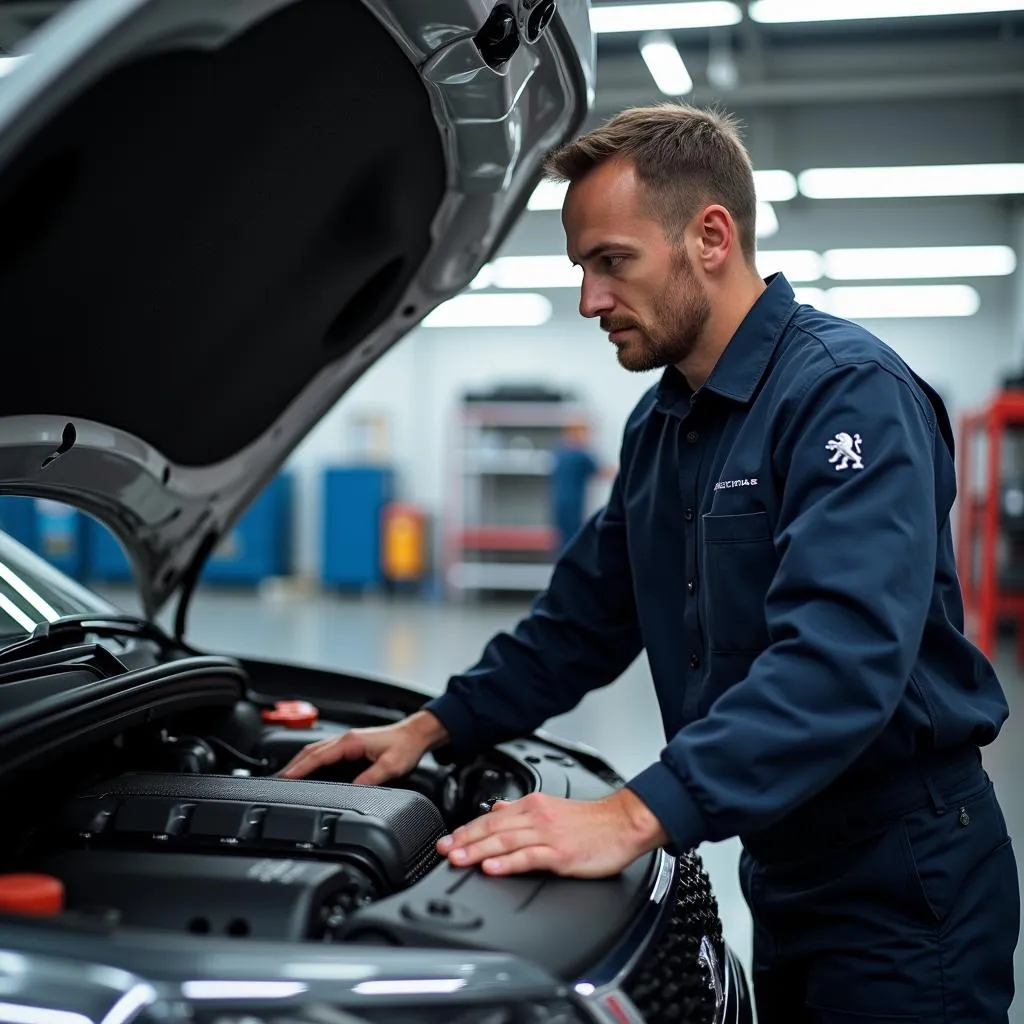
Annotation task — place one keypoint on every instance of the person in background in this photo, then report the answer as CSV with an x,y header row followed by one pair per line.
x,y
573,467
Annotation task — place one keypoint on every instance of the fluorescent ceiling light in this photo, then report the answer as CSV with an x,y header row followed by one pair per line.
x,y
663,16
892,301
548,195
774,186
767,223
901,301
541,272
782,11
812,296
925,262
909,182
796,264
771,186
665,63
526,272
468,310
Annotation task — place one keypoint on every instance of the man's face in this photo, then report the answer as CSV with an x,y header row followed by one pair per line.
x,y
644,290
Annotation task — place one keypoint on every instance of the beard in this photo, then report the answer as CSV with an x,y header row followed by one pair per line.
x,y
671,333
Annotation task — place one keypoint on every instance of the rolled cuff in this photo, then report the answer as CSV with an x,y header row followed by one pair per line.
x,y
457,720
672,804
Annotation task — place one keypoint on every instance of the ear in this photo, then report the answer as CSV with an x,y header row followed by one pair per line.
x,y
717,237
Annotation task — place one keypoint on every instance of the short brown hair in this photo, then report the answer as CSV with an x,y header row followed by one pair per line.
x,y
685,157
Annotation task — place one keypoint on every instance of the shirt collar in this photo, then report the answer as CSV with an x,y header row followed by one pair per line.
x,y
741,366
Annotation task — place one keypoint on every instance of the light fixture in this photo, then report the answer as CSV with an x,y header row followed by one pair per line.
x,y
663,16
491,310
771,186
526,272
795,264
767,223
811,296
785,11
775,186
665,63
900,301
548,195
912,182
920,262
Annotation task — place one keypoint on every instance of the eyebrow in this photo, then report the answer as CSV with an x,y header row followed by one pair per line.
x,y
597,250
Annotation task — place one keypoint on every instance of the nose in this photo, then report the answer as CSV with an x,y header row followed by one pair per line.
x,y
595,299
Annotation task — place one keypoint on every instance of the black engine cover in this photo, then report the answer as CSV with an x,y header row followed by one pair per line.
x,y
390,832
206,894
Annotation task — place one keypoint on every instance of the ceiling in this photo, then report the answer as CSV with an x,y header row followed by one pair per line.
x,y
778,65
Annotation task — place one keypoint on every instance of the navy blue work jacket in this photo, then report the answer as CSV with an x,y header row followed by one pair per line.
x,y
779,543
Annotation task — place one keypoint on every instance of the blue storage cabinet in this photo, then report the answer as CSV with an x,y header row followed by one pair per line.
x,y
18,519
107,561
62,537
259,546
353,500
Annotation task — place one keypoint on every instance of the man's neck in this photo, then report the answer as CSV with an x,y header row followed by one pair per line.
x,y
729,309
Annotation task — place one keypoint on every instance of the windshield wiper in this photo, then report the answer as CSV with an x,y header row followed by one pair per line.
x,y
54,636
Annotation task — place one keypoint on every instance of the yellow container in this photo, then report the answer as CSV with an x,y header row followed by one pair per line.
x,y
403,543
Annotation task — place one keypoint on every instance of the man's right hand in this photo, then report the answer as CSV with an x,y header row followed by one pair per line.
x,y
394,750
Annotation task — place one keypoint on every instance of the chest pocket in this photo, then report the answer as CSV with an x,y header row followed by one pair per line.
x,y
739,564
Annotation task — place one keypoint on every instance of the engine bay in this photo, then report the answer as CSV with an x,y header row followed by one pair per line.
x,y
180,824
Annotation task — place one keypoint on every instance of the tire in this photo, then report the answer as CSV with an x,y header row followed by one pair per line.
x,y
671,985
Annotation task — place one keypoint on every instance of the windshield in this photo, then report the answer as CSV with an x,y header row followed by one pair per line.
x,y
33,591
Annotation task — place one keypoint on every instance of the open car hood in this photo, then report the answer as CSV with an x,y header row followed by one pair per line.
x,y
218,213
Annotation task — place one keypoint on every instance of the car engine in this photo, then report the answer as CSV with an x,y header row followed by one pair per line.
x,y
302,855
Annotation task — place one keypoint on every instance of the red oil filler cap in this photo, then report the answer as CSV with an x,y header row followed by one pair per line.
x,y
38,895
292,714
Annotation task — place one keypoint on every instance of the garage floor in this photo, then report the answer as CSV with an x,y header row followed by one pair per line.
x,y
422,643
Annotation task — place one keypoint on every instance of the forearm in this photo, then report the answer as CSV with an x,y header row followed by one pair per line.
x,y
430,732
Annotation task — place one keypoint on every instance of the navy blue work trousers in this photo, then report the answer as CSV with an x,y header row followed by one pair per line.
x,y
893,903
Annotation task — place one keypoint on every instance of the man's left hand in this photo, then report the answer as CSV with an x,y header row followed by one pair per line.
x,y
577,838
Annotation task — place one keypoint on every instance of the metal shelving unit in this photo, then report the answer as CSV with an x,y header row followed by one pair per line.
x,y
498,534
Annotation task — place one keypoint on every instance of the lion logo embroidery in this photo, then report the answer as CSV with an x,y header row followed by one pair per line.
x,y
845,451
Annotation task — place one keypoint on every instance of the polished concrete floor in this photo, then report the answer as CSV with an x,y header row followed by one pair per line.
x,y
422,643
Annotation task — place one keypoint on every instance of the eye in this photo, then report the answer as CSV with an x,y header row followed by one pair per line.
x,y
613,261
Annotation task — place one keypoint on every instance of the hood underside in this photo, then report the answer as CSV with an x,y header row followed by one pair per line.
x,y
218,213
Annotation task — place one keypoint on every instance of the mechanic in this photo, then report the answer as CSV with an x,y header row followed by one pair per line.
x,y
778,540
